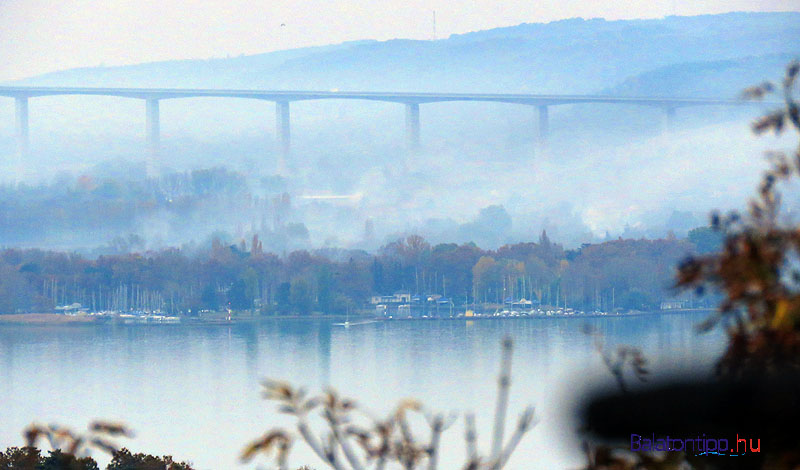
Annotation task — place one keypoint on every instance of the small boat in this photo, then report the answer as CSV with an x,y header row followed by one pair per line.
x,y
348,324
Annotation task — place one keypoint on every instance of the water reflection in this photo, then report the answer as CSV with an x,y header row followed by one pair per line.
x,y
324,352
173,381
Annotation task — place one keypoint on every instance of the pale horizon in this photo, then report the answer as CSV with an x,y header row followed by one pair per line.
x,y
48,37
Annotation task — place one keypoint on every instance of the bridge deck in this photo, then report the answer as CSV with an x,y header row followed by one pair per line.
x,y
397,97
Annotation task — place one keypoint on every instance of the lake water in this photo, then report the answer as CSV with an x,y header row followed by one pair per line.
x,y
194,391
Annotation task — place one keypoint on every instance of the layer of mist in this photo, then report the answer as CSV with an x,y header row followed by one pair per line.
x,y
606,171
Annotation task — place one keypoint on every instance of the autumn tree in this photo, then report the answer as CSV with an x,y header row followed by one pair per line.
x,y
758,269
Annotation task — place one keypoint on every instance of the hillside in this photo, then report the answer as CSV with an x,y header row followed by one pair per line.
x,y
709,78
569,56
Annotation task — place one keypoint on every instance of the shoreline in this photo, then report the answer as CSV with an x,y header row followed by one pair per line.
x,y
587,315
50,319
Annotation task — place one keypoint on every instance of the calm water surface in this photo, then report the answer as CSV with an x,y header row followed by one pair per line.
x,y
193,391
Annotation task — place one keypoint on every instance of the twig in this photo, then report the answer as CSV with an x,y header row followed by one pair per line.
x,y
343,443
316,445
471,437
437,426
385,432
504,384
523,426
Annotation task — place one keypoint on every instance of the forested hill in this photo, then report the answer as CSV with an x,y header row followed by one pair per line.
x,y
630,274
569,56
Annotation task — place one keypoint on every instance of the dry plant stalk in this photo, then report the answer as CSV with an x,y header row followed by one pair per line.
x,y
98,436
353,439
616,361
616,364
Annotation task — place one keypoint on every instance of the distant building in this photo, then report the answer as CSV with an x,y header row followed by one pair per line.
x,y
444,307
396,298
390,305
72,309
673,304
521,304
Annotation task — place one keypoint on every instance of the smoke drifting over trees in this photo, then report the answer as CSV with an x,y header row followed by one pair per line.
x,y
608,170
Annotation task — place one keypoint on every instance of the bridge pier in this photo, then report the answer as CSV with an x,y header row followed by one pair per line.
x,y
153,125
544,129
283,133
22,128
413,142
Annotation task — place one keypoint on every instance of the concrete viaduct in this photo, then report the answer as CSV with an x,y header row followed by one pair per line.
x,y
282,99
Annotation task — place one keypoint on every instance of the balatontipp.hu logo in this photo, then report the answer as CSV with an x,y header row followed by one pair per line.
x,y
699,445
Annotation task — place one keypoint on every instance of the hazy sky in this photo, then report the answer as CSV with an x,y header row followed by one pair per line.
x,y
38,36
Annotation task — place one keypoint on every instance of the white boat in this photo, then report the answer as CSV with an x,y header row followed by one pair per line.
x,y
348,324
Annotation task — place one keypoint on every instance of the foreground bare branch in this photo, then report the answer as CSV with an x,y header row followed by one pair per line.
x,y
369,443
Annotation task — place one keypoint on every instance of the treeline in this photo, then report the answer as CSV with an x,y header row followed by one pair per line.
x,y
31,458
629,274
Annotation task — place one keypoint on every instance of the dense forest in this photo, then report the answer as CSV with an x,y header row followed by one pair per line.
x,y
627,274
